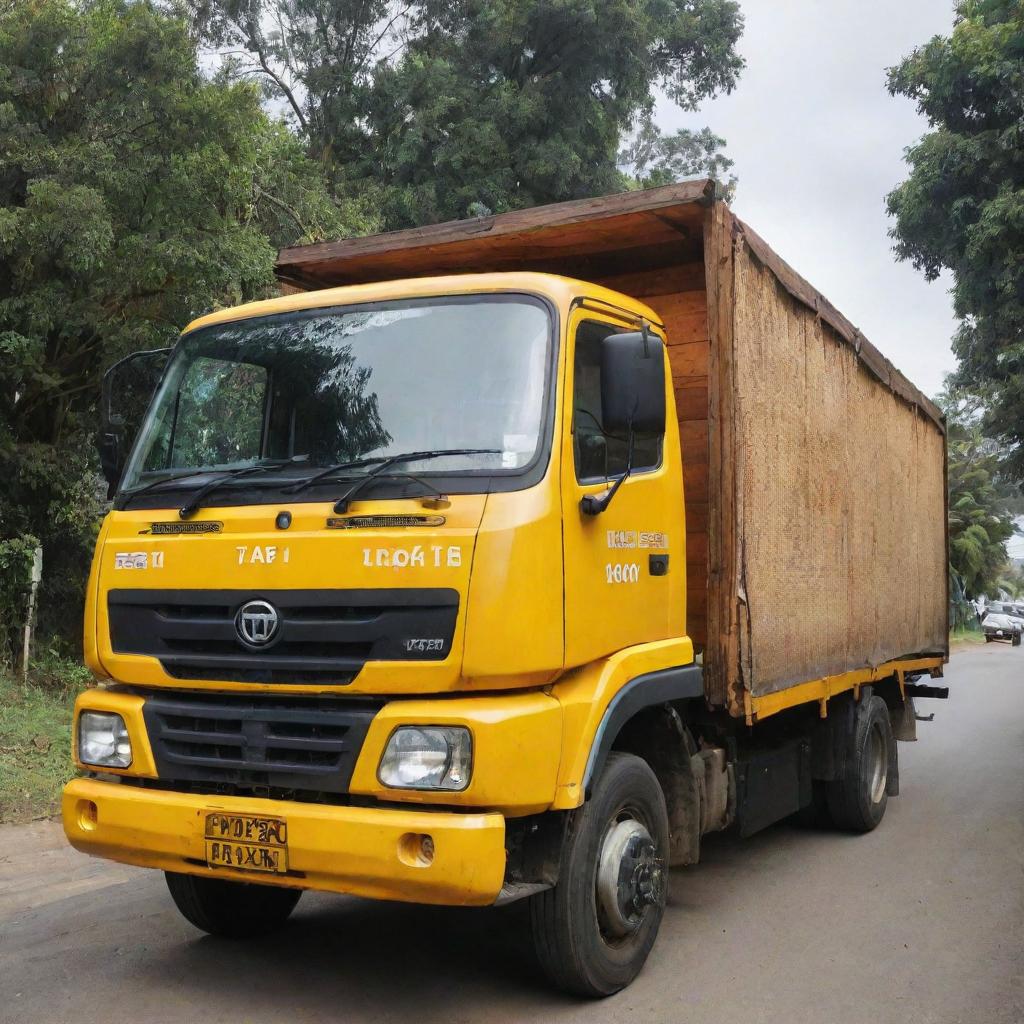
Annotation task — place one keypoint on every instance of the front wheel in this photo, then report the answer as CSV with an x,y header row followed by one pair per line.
x,y
594,930
1015,642
234,910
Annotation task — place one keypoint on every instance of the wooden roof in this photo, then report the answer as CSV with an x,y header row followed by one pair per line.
x,y
590,239
645,226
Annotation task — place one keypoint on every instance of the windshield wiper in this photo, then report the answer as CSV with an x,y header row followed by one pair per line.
x,y
195,502
169,479
342,504
383,462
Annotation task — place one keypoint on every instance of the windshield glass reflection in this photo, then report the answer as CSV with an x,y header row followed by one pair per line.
x,y
339,386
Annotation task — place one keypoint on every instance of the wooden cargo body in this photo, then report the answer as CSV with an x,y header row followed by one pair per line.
x,y
814,471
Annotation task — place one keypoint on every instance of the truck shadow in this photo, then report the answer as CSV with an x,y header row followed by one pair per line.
x,y
380,959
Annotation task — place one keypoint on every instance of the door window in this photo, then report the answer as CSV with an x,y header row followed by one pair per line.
x,y
600,456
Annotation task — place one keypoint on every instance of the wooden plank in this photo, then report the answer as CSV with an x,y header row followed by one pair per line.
x,y
688,362
554,218
692,401
693,438
696,549
687,330
695,479
696,514
721,654
685,278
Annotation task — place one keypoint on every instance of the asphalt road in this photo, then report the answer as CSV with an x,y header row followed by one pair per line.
x,y
920,921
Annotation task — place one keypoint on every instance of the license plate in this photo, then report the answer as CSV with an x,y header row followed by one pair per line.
x,y
247,842
999,632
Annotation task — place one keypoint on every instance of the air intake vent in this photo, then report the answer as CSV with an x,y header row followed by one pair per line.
x,y
382,522
322,636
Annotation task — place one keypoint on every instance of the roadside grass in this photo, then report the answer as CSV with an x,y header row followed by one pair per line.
x,y
967,635
35,738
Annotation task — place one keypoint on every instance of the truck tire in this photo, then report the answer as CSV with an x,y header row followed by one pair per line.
x,y
858,800
594,929
232,910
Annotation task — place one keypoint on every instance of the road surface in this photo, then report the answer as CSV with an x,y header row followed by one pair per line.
x,y
920,921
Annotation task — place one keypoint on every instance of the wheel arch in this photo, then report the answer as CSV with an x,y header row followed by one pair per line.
x,y
644,719
641,696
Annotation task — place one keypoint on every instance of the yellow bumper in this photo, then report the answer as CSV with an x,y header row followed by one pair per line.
x,y
355,850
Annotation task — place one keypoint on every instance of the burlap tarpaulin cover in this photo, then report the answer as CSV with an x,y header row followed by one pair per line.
x,y
840,499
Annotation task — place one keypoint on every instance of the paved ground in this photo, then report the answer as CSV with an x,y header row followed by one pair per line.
x,y
921,921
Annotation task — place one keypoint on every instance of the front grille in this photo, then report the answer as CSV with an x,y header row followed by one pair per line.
x,y
232,743
323,636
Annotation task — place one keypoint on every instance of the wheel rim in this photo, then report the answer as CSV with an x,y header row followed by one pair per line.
x,y
630,878
878,762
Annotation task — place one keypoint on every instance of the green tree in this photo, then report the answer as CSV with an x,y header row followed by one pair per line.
x,y
658,159
981,519
962,207
447,108
134,195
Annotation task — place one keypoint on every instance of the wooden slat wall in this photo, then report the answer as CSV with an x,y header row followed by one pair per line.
x,y
679,297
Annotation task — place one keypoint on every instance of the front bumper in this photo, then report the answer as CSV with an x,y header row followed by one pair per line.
x,y
355,850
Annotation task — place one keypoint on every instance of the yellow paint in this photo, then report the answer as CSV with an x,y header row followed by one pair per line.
x,y
821,690
338,849
516,537
516,748
561,290
585,694
605,611
317,558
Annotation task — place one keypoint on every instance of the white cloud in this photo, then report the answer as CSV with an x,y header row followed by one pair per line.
x,y
818,142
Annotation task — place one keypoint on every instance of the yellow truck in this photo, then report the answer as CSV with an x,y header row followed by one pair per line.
x,y
501,559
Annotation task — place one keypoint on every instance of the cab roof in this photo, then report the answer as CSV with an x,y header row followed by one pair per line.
x,y
561,290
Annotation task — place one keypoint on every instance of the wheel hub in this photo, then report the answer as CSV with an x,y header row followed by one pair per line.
x,y
630,877
878,765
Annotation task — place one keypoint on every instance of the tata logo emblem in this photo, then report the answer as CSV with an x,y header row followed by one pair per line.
x,y
257,623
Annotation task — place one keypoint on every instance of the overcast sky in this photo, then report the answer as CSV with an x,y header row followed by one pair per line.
x,y
818,142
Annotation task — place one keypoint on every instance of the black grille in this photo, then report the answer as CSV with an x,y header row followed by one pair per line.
x,y
232,743
324,636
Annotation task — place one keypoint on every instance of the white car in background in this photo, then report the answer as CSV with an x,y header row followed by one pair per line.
x,y
997,625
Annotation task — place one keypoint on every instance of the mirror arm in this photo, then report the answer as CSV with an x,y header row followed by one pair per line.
x,y
595,504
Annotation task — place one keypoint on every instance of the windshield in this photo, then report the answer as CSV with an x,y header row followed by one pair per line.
x,y
331,387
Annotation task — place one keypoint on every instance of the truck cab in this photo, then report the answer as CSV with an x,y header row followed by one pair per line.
x,y
356,625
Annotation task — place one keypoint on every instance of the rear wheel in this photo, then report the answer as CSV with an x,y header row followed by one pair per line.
x,y
233,910
858,800
594,930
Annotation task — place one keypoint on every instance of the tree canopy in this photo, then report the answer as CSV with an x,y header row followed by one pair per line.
x,y
447,108
981,498
156,153
962,206
134,194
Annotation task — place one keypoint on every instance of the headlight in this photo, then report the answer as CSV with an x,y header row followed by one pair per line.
x,y
103,740
428,757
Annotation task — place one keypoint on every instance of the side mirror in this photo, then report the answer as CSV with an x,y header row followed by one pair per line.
x,y
127,388
633,384
632,399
